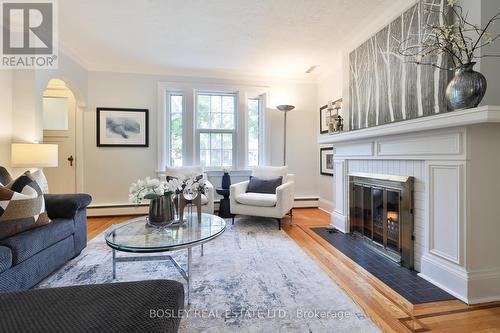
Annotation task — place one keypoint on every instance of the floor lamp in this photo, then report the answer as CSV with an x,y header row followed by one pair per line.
x,y
285,109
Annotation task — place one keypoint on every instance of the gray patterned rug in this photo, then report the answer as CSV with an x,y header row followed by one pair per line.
x,y
253,278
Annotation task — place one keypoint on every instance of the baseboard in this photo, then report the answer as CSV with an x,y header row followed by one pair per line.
x,y
325,205
339,221
450,279
116,210
306,202
484,286
130,209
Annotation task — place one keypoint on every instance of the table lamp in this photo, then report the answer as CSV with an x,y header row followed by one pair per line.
x,y
34,155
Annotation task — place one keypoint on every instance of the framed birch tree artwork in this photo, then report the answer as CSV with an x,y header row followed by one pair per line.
x,y
384,87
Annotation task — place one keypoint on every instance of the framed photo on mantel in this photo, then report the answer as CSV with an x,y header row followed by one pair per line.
x,y
118,127
323,119
326,161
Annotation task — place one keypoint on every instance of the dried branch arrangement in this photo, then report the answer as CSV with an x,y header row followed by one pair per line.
x,y
460,40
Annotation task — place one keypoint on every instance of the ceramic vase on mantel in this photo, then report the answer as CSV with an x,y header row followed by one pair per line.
x,y
161,211
466,89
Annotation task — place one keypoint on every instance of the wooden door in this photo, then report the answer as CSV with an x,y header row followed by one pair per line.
x,y
59,128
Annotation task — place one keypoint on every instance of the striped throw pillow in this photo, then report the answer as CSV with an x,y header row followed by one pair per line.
x,y
22,206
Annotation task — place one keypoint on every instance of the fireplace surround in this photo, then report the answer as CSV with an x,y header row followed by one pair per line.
x,y
456,195
381,211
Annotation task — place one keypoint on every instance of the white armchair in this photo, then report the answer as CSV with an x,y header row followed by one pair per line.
x,y
266,205
207,199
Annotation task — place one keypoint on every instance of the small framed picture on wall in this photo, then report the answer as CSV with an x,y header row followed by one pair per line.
x,y
323,119
326,161
117,127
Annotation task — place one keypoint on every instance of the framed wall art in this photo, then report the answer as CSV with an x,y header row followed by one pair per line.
x,y
326,161
118,127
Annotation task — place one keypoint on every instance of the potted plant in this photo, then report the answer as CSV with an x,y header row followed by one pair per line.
x,y
160,195
460,41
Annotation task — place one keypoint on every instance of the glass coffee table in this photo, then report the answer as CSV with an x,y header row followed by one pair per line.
x,y
137,237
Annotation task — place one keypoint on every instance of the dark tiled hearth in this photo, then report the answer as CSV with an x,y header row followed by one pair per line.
x,y
405,282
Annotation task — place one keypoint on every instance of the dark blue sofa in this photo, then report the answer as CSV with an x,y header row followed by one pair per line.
x,y
28,257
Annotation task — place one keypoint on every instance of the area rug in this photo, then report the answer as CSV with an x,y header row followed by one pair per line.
x,y
253,278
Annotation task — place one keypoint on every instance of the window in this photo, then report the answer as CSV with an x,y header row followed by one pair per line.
x,y
253,123
176,108
55,113
215,114
211,125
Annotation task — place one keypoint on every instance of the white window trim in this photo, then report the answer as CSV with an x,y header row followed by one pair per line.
x,y
262,127
168,94
190,132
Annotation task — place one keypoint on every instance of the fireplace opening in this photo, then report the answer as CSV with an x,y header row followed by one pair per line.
x,y
381,212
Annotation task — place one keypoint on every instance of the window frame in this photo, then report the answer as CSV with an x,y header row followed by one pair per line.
x,y
261,136
233,131
168,116
191,144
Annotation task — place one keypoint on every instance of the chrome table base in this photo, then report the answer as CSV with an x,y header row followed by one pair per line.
x,y
186,274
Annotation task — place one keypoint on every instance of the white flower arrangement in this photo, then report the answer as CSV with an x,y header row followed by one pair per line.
x,y
152,188
199,184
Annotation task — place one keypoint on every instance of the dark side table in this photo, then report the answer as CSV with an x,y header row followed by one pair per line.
x,y
224,205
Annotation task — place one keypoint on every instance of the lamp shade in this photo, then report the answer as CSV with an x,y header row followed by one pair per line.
x,y
285,107
34,155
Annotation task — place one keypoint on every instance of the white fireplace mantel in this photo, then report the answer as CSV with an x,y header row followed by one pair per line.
x,y
479,115
455,160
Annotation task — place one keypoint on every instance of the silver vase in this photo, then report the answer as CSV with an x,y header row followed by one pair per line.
x,y
161,211
466,89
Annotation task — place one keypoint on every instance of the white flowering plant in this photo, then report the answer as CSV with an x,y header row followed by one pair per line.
x,y
453,35
197,183
152,188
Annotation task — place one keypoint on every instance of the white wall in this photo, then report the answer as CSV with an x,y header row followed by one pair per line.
x,y
108,172
28,88
490,67
329,88
5,116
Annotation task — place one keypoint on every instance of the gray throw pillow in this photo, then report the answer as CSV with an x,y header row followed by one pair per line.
x,y
267,186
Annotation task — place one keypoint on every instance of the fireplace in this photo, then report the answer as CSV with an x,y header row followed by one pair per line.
x,y
381,213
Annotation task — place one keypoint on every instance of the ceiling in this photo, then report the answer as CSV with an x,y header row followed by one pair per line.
x,y
279,38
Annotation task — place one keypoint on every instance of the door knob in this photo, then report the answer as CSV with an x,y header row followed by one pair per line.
x,y
71,159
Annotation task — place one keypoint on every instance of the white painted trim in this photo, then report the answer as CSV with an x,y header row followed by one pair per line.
x,y
418,145
116,211
479,115
325,205
452,279
460,181
440,285
131,209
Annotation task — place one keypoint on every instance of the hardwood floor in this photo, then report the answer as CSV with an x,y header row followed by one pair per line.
x,y
390,311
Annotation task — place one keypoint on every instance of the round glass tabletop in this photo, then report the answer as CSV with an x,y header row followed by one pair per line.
x,y
137,236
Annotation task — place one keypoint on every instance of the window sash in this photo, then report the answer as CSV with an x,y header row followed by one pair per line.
x,y
202,130
234,113
169,126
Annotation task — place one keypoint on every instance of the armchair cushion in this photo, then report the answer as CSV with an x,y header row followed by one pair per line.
x,y
66,205
184,172
259,185
268,172
257,199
